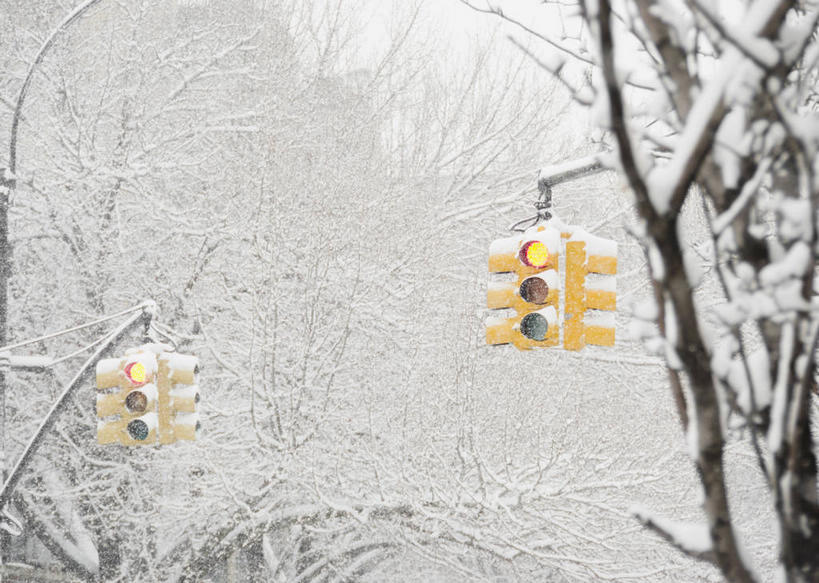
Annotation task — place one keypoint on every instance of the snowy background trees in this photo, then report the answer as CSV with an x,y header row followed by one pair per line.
x,y
309,190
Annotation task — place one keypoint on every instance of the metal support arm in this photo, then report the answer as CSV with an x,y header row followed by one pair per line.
x,y
550,176
142,317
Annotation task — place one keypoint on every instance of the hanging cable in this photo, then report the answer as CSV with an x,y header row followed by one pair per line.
x,y
543,205
158,328
81,350
141,306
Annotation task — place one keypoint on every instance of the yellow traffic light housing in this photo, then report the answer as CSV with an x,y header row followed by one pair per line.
x,y
127,399
149,396
179,396
529,291
590,305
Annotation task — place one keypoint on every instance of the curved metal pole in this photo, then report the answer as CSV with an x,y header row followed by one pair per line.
x,y
15,120
8,183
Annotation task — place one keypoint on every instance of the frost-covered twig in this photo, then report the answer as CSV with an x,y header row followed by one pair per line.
x,y
561,47
693,538
760,50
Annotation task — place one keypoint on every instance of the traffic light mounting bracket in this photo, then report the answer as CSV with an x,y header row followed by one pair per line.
x,y
550,176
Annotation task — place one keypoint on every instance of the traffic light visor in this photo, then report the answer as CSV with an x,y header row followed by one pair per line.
x,y
534,254
136,373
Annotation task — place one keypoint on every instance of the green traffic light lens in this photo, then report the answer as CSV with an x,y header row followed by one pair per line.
x,y
534,326
138,430
534,290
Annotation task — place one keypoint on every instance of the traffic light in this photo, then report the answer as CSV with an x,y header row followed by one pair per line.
x,y
529,285
178,396
149,396
127,399
590,302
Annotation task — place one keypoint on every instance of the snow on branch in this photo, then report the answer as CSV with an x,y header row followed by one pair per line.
x,y
669,183
691,538
759,49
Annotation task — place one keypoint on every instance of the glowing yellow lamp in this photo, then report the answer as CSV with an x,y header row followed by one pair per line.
x,y
534,254
136,373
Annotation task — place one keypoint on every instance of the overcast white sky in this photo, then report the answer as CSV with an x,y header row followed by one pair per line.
x,y
461,24
463,21
458,29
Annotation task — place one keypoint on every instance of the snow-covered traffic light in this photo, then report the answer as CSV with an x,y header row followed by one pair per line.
x,y
127,399
149,396
179,396
591,293
528,291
